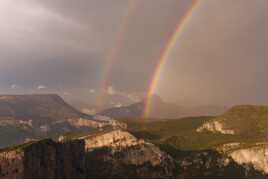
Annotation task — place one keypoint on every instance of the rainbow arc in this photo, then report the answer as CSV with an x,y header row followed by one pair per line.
x,y
165,56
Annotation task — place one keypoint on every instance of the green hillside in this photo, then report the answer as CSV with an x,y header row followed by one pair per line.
x,y
180,133
249,122
246,120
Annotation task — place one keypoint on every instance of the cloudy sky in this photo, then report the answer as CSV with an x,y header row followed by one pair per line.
x,y
63,45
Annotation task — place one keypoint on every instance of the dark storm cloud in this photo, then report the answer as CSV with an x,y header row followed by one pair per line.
x,y
64,43
221,56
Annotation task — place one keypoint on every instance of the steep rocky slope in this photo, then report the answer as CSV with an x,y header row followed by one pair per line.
x,y
255,155
24,117
44,160
124,157
210,164
121,156
118,154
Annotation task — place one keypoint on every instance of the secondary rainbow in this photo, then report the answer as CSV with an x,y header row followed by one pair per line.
x,y
113,54
164,57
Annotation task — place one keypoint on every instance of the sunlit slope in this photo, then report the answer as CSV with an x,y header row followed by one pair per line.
x,y
247,120
179,133
245,124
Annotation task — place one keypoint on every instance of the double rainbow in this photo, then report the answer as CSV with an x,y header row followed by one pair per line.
x,y
114,52
165,56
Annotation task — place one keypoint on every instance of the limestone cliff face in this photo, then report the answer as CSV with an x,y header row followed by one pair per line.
x,y
133,150
132,162
44,160
122,155
50,160
256,156
11,165
216,127
117,138
210,164
140,154
81,122
118,154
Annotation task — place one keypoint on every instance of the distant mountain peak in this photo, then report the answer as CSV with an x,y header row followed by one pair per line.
x,y
154,98
161,110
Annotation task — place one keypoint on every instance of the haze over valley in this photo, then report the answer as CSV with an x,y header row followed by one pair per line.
x,y
133,89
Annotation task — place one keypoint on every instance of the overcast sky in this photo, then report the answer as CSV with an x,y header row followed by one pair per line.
x,y
62,45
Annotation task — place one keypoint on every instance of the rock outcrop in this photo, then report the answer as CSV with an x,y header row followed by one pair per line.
x,y
215,127
133,162
116,138
249,120
44,160
110,154
11,164
210,164
256,155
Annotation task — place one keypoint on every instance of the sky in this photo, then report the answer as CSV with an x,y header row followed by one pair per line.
x,y
63,45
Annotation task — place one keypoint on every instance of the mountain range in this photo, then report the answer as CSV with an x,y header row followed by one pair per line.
x,y
162,110
25,117
43,137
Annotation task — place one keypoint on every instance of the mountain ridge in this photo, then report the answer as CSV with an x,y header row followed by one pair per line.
x,y
26,117
162,110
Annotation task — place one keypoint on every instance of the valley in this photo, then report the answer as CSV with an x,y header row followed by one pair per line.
x,y
202,147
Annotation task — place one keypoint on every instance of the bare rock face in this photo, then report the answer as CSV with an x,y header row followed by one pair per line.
x,y
45,159
11,164
117,138
257,156
110,154
50,160
118,154
133,162
215,127
40,160
210,164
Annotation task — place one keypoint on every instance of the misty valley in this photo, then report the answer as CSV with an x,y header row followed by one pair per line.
x,y
133,89
44,137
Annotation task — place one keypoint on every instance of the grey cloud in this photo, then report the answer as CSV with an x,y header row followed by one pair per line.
x,y
221,56
65,43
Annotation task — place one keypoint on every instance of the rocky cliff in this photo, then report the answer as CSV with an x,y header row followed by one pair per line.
x,y
215,127
116,154
255,155
134,162
116,138
11,164
44,160
110,154
210,164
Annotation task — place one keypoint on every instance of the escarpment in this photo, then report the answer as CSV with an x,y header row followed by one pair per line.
x,y
11,165
45,159
110,154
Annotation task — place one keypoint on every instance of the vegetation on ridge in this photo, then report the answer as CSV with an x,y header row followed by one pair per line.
x,y
250,123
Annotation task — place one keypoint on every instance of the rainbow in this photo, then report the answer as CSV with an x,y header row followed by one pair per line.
x,y
113,53
164,57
